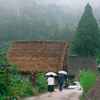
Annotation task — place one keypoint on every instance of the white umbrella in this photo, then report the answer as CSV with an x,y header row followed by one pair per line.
x,y
51,73
62,72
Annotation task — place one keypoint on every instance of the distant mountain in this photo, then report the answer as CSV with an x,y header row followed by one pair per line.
x,y
41,19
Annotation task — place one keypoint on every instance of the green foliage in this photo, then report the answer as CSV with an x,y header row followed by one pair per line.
x,y
3,59
87,79
3,82
87,39
2,97
41,82
4,75
19,86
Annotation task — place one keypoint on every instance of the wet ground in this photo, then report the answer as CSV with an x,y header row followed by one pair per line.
x,y
66,94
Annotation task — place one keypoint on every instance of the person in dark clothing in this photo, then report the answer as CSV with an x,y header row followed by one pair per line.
x,y
61,79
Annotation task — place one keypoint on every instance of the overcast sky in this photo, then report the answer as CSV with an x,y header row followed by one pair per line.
x,y
75,5
58,2
71,2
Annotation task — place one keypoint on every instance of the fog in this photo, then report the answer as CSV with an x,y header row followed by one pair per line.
x,y
41,16
72,3
74,6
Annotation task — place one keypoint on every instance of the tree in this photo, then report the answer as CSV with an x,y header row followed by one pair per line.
x,y
86,42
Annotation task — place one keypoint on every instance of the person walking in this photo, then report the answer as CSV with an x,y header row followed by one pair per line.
x,y
51,83
61,79
51,80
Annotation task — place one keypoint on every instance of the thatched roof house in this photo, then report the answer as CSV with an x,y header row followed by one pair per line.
x,y
38,55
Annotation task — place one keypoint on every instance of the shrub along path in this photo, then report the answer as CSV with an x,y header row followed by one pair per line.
x,y
94,93
68,94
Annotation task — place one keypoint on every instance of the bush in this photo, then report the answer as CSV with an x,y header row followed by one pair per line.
x,y
3,82
41,82
2,97
4,74
87,79
19,86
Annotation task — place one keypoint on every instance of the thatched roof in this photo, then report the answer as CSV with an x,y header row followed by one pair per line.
x,y
37,55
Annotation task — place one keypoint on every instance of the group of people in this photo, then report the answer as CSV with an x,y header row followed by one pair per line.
x,y
60,79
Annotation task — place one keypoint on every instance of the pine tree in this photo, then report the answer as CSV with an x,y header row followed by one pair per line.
x,y
86,42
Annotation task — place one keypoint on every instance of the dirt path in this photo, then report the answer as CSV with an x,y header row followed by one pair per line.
x,y
68,94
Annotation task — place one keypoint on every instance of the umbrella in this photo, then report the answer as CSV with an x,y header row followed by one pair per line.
x,y
62,72
51,73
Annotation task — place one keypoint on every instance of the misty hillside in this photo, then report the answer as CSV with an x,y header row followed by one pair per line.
x,y
34,19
